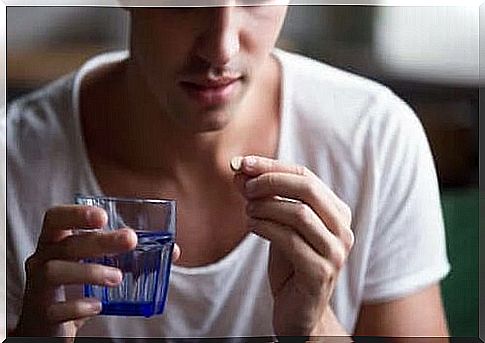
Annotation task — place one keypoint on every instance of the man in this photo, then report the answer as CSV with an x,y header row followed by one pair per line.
x,y
307,198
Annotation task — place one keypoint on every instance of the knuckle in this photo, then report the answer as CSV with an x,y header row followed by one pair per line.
x,y
323,272
304,214
345,232
31,264
50,271
77,309
327,272
346,213
313,189
49,215
348,239
271,181
50,212
316,287
292,241
338,258
302,170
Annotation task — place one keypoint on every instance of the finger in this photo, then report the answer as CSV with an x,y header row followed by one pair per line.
x,y
308,264
301,218
248,167
257,165
176,252
92,244
253,165
58,221
316,194
300,188
58,272
280,269
73,310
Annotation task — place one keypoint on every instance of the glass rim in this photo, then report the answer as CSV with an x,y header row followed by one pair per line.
x,y
126,199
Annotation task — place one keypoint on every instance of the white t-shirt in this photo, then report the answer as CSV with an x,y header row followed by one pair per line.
x,y
364,142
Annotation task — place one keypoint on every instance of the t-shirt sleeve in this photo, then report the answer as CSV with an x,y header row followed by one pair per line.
x,y
408,250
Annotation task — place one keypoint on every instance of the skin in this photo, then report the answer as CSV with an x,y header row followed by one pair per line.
x,y
310,240
310,234
56,262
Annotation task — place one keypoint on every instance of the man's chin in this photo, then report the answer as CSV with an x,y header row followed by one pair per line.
x,y
212,125
207,121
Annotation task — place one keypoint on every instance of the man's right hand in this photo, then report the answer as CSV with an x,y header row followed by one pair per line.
x,y
56,262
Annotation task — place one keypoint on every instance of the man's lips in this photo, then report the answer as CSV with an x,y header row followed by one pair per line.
x,y
211,92
210,83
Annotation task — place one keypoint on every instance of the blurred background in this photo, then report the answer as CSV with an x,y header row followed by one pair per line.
x,y
427,55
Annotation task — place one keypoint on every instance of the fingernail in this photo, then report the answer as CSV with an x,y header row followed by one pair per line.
x,y
91,215
113,276
94,305
249,162
127,237
96,215
236,163
122,235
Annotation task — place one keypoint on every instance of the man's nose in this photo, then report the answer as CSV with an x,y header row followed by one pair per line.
x,y
220,40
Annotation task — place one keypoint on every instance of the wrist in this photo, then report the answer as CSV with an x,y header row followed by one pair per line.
x,y
329,325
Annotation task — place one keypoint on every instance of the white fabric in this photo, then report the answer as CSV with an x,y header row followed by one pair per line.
x,y
363,142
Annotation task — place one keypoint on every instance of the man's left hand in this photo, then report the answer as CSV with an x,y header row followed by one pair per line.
x,y
309,230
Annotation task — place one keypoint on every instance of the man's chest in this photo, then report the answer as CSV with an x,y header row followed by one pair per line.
x,y
209,224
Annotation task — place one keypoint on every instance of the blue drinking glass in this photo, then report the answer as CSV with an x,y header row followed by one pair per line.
x,y
145,269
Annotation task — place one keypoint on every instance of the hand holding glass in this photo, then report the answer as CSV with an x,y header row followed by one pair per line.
x,y
145,269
